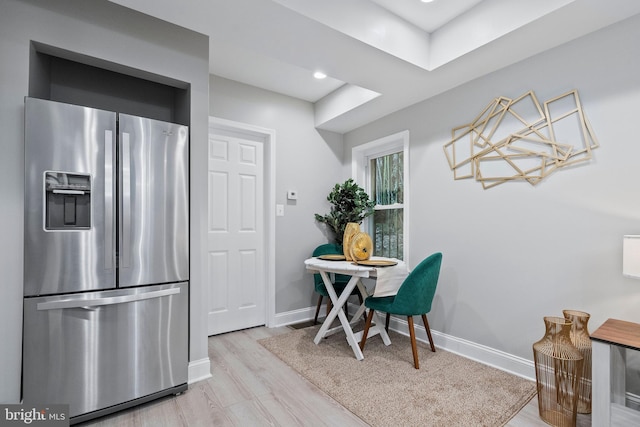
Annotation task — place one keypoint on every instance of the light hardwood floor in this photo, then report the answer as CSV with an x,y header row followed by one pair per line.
x,y
252,387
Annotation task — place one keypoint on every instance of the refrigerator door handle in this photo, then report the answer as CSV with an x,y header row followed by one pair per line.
x,y
109,236
87,303
125,238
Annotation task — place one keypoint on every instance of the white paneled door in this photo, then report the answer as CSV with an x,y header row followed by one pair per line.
x,y
236,234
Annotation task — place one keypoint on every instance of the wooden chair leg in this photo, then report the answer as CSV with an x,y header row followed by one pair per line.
x,y
386,322
414,347
329,306
428,329
367,325
315,319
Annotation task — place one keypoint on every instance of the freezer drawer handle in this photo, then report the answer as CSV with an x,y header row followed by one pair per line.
x,y
82,303
75,192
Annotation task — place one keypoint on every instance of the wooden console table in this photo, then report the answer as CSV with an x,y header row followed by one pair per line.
x,y
610,342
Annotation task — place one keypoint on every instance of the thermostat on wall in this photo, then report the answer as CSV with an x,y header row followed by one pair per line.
x,y
292,195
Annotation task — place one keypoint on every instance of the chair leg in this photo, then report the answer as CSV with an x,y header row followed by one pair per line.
x,y
428,329
386,322
414,347
329,306
367,325
315,319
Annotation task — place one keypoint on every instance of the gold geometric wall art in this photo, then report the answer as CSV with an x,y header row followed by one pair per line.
x,y
521,140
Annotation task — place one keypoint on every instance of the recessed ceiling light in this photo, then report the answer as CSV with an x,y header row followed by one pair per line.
x,y
319,75
426,1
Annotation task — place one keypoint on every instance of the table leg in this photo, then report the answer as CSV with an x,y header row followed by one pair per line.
x,y
338,303
382,331
377,329
601,390
360,311
618,363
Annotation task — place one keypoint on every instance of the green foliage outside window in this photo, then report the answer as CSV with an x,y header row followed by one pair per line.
x,y
387,181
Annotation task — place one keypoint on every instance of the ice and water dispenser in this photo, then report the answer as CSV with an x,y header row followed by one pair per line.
x,y
67,201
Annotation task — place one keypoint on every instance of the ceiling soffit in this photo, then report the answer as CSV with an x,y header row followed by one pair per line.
x,y
370,23
370,54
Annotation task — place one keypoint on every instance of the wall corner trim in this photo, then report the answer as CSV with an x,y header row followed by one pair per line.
x,y
199,370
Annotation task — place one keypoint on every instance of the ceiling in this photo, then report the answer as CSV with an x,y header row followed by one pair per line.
x,y
379,55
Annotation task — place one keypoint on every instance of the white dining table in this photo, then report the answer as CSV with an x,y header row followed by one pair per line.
x,y
357,272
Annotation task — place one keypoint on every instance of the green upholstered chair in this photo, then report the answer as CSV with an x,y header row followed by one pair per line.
x,y
414,298
339,282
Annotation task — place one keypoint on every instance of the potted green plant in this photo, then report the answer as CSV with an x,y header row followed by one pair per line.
x,y
350,203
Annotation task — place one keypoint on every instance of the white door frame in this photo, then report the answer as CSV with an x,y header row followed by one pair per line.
x,y
268,137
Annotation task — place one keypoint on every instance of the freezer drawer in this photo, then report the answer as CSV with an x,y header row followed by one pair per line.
x,y
100,349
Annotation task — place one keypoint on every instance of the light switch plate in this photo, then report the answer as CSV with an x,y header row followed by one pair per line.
x,y
279,210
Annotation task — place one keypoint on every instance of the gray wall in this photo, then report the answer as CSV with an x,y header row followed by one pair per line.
x,y
128,42
307,160
516,253
513,254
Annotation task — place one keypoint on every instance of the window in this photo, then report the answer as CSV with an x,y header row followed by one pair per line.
x,y
381,167
387,192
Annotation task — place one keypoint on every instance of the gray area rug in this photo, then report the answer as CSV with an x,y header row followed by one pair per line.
x,y
384,389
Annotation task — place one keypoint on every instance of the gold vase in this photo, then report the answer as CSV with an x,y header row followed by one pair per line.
x,y
350,230
558,366
582,341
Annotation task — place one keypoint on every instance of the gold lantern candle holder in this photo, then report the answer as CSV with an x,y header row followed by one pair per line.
x,y
582,341
558,366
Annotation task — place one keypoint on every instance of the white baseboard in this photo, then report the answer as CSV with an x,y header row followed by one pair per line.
x,y
480,353
297,316
498,359
199,370
633,401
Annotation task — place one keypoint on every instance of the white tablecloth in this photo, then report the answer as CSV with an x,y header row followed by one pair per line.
x,y
389,279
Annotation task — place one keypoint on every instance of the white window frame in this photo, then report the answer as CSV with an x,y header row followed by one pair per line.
x,y
360,160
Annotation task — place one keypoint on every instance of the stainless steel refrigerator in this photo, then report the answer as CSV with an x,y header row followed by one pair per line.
x,y
106,265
